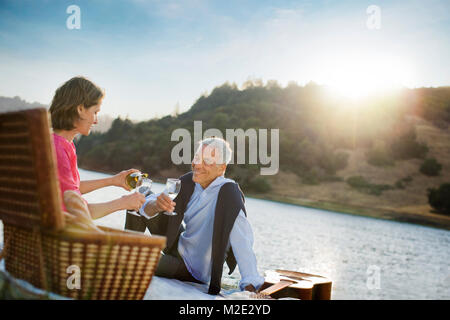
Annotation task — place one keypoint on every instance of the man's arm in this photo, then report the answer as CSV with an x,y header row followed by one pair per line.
x,y
241,240
156,203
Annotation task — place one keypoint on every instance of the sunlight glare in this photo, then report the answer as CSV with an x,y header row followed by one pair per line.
x,y
360,76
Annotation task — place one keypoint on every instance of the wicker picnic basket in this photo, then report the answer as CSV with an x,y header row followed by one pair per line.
x,y
38,248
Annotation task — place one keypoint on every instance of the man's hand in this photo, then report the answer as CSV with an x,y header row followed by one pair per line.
x,y
256,294
164,203
250,288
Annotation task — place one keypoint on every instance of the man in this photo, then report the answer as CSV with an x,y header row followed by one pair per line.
x,y
216,228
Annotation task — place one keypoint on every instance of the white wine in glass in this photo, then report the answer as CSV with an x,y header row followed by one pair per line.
x,y
144,186
173,187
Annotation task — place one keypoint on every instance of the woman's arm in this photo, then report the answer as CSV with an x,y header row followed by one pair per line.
x,y
128,202
91,185
117,180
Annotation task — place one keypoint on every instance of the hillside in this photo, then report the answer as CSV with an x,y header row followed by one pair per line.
x,y
16,103
409,204
357,157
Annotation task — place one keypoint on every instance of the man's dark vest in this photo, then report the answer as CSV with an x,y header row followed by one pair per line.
x,y
230,201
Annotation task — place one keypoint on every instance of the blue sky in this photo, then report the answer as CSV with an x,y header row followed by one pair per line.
x,y
151,55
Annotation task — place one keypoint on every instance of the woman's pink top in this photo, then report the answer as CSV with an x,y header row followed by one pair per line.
x,y
69,177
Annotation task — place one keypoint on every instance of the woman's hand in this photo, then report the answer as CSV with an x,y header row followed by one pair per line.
x,y
133,201
119,180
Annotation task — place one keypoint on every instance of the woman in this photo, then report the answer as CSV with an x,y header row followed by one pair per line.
x,y
74,111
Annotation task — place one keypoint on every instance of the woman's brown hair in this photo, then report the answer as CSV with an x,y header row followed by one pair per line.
x,y
76,91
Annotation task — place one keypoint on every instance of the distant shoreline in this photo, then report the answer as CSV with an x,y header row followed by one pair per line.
x,y
435,220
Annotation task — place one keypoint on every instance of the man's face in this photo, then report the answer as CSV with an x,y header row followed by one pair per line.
x,y
205,167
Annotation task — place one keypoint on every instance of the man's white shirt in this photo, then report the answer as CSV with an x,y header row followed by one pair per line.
x,y
195,242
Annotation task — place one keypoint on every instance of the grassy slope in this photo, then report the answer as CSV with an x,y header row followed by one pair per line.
x,y
408,205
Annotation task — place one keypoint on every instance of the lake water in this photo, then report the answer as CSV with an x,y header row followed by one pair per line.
x,y
365,258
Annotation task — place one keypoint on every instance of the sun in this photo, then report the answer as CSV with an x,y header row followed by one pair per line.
x,y
359,76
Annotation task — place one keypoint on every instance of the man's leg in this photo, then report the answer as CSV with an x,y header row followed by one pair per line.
x,y
168,266
135,223
172,266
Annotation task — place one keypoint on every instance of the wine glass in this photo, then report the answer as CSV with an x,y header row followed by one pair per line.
x,y
172,189
144,186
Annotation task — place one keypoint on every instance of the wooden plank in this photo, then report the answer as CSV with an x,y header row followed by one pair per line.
x,y
322,285
276,287
302,286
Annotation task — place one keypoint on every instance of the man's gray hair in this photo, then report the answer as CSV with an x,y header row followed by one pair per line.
x,y
222,147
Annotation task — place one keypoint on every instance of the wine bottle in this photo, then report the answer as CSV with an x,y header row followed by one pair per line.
x,y
134,179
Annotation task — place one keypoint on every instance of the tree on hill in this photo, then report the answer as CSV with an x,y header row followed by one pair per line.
x,y
406,147
431,167
439,198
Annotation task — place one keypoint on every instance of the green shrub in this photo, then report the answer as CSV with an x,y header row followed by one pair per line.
x,y
380,155
401,183
260,185
407,179
431,167
313,176
379,158
357,182
406,147
341,160
361,184
439,198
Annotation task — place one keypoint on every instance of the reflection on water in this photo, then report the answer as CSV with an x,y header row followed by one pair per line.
x,y
366,258
412,261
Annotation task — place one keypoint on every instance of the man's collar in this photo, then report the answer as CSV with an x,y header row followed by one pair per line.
x,y
217,182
